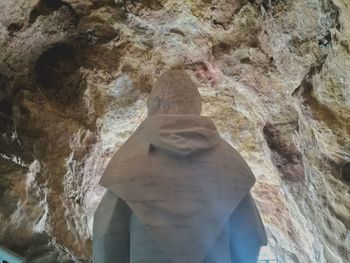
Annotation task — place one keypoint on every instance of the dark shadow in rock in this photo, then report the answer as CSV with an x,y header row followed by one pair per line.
x,y
47,7
13,155
276,7
6,77
96,4
267,4
177,31
326,41
284,153
346,172
58,76
245,60
101,58
152,4
14,27
8,200
220,49
92,32
5,108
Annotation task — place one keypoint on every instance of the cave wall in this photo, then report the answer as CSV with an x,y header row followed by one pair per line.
x,y
74,77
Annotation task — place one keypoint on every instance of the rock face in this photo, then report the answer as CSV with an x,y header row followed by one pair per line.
x,y
273,75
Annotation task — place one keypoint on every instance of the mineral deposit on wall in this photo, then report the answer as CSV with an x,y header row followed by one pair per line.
x,y
274,77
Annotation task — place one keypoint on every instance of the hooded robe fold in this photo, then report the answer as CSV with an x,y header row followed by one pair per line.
x,y
181,180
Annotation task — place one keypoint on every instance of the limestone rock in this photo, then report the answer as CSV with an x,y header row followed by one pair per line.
x,y
273,75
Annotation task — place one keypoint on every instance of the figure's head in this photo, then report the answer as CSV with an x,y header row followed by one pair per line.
x,y
174,93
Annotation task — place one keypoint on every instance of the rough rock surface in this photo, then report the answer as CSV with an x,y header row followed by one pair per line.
x,y
274,77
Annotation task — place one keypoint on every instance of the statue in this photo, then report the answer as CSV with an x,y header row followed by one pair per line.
x,y
177,192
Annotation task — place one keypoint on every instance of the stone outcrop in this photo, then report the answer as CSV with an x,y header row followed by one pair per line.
x,y
273,75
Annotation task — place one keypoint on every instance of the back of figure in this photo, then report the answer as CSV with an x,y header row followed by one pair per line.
x,y
177,191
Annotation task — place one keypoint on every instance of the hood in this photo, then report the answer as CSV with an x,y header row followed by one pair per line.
x,y
182,134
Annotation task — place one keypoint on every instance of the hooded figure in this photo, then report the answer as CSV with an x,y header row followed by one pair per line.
x,y
177,192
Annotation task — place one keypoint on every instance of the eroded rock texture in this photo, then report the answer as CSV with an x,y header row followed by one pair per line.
x,y
274,77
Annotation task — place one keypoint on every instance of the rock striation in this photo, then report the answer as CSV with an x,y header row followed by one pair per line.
x,y
74,78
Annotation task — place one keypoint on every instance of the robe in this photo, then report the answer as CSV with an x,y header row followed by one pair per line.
x,y
182,184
